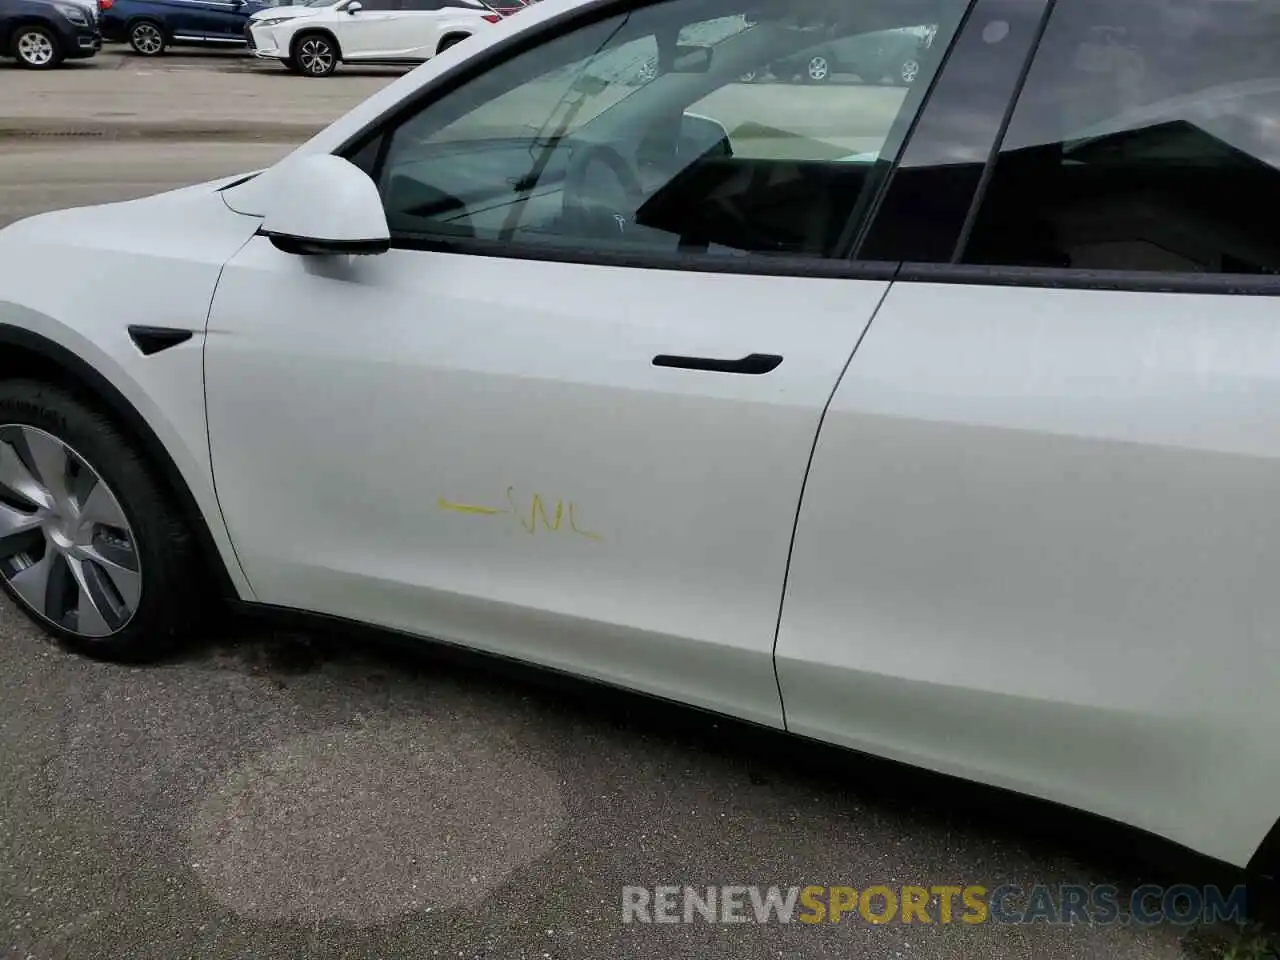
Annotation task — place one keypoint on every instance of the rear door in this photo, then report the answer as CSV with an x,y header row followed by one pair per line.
x,y
564,419
1040,534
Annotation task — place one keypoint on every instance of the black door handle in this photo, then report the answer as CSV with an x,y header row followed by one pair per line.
x,y
753,363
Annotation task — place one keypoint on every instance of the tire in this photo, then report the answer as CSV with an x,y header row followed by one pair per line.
x,y
751,76
146,38
316,54
91,547
36,47
291,65
817,70
907,72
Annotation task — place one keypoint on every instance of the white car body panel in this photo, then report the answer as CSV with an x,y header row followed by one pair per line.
x,y
180,238
490,390
1037,549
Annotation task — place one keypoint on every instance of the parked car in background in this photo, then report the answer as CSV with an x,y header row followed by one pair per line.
x,y
872,57
152,26
40,34
313,38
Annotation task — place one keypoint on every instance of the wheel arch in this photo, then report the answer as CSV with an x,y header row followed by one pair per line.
x,y
305,32
29,356
138,18
450,38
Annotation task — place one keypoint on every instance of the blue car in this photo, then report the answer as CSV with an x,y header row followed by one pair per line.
x,y
40,34
152,26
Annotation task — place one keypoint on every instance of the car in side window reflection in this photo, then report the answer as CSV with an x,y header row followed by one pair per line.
x,y
885,55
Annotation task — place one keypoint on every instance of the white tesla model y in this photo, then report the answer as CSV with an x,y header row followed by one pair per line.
x,y
937,421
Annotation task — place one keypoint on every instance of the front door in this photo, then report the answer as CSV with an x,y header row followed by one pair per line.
x,y
568,417
373,32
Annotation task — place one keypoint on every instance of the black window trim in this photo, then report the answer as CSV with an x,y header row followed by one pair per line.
x,y
1066,278
841,266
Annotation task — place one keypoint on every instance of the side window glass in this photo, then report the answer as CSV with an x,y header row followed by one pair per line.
x,y
687,126
1146,138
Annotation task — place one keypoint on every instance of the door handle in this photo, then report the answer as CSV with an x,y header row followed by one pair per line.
x,y
752,364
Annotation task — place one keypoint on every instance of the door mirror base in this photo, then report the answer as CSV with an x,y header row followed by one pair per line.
x,y
311,247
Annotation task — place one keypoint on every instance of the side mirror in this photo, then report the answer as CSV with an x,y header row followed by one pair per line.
x,y
354,7
702,137
692,59
324,205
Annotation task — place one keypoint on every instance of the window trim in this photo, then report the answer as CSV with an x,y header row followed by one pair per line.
x,y
843,265
1066,278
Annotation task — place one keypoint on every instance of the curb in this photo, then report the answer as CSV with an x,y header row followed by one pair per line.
x,y
22,128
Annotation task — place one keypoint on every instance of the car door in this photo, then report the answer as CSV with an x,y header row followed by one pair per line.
x,y
567,417
1038,538
427,22
227,19
372,32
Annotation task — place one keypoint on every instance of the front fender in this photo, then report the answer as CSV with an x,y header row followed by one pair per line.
x,y
71,284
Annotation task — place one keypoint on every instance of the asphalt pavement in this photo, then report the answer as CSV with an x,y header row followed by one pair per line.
x,y
284,795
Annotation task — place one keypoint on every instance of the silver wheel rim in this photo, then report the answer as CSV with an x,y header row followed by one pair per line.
x,y
67,550
315,56
819,68
35,48
749,76
147,39
649,72
910,70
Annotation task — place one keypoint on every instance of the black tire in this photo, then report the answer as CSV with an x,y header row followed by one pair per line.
x,y
316,54
291,65
450,41
147,39
27,39
172,594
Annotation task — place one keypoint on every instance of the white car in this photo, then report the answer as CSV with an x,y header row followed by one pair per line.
x,y
313,37
966,454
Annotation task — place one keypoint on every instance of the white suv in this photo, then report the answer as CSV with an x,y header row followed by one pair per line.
x,y
311,38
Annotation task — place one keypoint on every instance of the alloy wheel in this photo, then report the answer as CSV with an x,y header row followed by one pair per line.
x,y
910,70
35,49
67,550
315,56
819,69
146,39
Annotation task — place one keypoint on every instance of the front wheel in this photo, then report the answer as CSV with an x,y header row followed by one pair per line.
x,y
818,70
91,547
908,72
36,48
147,39
315,54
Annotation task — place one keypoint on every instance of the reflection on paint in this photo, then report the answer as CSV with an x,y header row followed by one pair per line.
x,y
536,517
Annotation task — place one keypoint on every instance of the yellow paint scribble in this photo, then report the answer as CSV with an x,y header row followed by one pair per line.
x,y
537,511
573,525
444,504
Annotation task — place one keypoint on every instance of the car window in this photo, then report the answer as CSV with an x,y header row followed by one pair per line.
x,y
1146,138
641,132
